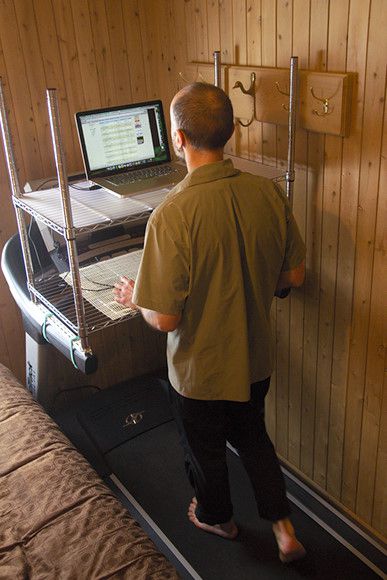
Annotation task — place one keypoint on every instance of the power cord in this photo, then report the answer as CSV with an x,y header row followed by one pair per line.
x,y
91,188
34,245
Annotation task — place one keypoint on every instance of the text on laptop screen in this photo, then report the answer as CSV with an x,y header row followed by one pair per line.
x,y
122,138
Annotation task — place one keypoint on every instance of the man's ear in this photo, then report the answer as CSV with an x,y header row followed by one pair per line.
x,y
180,139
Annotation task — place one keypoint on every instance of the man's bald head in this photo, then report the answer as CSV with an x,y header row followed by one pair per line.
x,y
204,113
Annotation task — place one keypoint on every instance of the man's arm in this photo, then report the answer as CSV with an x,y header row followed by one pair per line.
x,y
291,279
162,322
123,292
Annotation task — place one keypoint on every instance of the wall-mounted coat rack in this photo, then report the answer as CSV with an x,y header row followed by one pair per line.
x,y
324,97
218,74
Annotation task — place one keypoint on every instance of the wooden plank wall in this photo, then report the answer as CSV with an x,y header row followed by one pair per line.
x,y
326,409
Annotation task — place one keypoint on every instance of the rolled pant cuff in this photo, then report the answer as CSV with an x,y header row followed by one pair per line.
x,y
275,517
212,519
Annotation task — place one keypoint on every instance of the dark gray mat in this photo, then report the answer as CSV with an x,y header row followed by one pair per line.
x,y
151,468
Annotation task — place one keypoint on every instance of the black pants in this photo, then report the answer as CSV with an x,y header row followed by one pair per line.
x,y
205,427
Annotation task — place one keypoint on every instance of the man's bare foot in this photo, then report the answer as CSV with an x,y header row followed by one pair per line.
x,y
227,530
290,549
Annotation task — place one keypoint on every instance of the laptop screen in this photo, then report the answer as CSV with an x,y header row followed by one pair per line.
x,y
122,138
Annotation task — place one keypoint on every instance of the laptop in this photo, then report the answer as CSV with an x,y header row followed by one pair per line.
x,y
125,149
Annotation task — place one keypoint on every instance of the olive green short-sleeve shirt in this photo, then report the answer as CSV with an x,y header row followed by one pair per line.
x,y
213,251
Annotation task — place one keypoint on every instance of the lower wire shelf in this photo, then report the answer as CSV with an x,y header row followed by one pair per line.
x,y
57,296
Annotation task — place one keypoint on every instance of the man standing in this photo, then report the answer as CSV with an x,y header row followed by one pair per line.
x,y
216,251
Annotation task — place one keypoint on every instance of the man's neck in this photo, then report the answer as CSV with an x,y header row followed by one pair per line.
x,y
197,157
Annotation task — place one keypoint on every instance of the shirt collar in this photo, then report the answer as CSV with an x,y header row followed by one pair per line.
x,y
209,172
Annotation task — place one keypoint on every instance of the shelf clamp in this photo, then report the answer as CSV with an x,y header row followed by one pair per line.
x,y
72,349
44,325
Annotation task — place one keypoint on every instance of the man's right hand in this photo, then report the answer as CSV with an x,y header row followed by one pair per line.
x,y
123,292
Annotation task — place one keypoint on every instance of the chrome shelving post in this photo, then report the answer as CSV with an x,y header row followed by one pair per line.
x,y
55,125
293,86
217,69
15,186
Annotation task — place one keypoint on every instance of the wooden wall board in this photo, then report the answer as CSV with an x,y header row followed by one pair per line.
x,y
201,26
13,126
213,23
86,51
227,51
329,241
282,375
170,58
254,34
239,20
355,60
315,184
375,416
226,31
177,11
192,52
329,249
64,27
254,58
315,163
301,32
103,53
11,326
269,32
119,52
269,59
240,57
135,51
376,340
159,73
269,157
379,495
365,243
11,330
150,34
296,330
19,88
53,71
30,45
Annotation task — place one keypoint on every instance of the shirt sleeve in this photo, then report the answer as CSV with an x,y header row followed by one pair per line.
x,y
295,248
163,278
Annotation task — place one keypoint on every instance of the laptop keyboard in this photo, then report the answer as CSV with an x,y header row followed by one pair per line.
x,y
140,174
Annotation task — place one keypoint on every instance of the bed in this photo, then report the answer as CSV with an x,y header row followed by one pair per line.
x,y
58,518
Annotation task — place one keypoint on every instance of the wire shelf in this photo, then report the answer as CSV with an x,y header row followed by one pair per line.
x,y
58,297
37,211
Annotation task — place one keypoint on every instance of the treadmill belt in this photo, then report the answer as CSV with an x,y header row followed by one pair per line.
x,y
150,467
